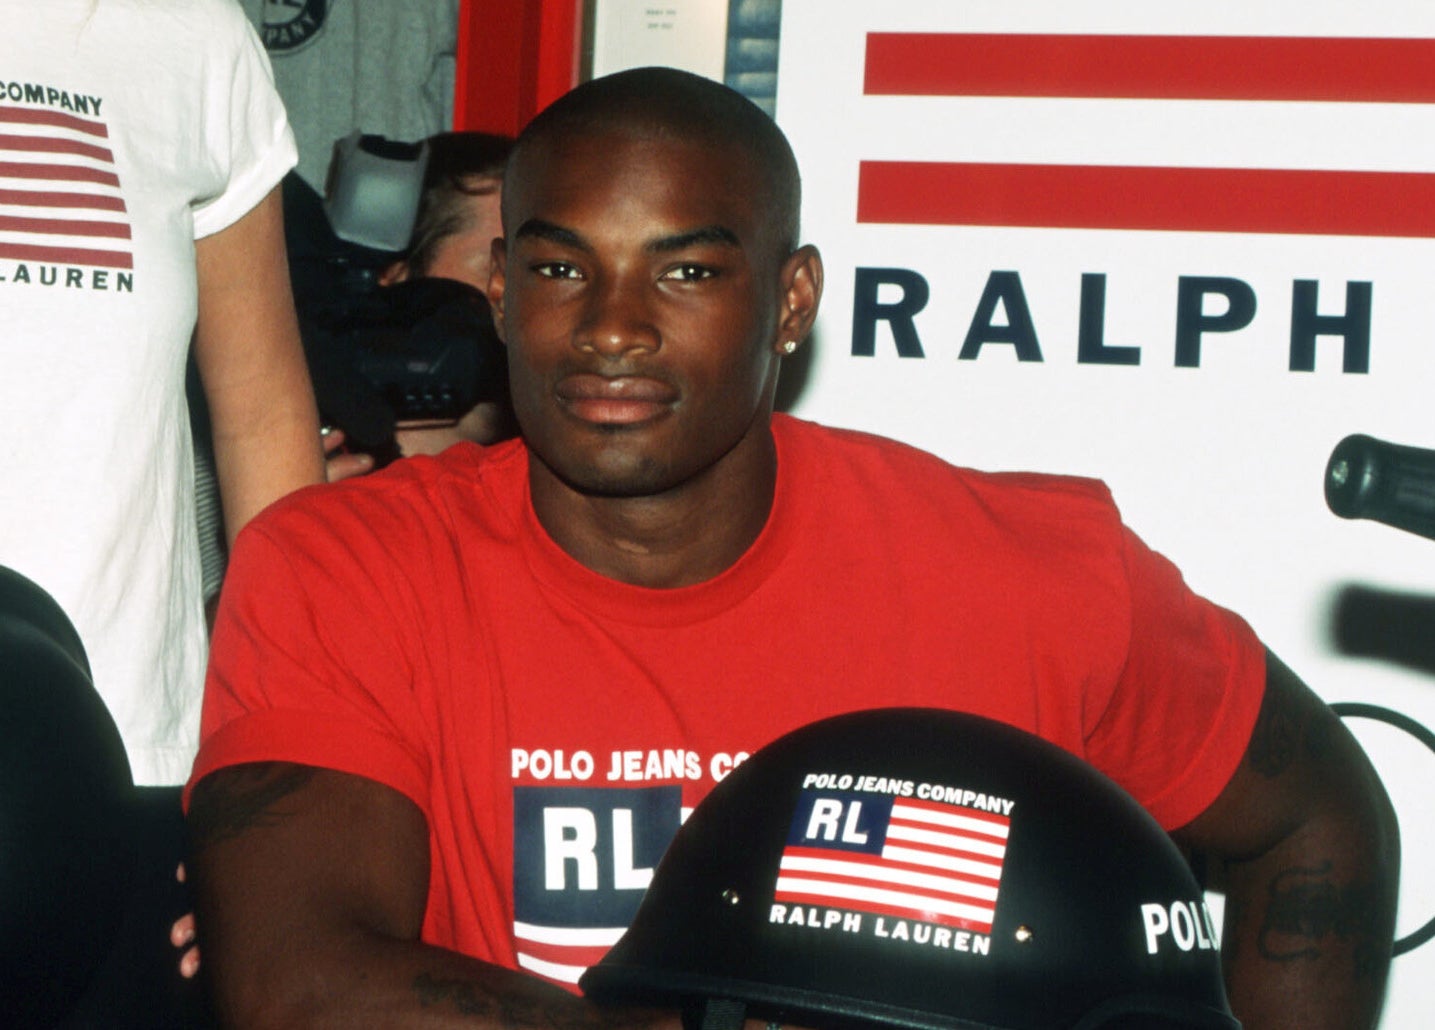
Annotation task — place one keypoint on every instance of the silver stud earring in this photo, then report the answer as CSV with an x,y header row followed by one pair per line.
x,y
789,346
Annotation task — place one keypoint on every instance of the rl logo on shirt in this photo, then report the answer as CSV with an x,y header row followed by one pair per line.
x,y
582,858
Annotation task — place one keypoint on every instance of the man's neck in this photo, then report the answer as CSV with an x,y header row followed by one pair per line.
x,y
677,538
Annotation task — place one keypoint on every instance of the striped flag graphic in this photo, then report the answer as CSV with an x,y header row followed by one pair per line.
x,y
561,954
1234,69
896,857
582,859
60,199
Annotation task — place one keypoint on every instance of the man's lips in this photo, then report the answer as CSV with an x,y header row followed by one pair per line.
x,y
615,400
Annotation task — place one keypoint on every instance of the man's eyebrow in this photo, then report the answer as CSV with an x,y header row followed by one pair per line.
x,y
692,238
537,228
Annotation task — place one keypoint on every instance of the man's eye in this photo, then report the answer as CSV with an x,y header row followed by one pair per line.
x,y
689,273
557,270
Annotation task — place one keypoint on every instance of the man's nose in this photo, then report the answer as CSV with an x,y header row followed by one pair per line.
x,y
618,318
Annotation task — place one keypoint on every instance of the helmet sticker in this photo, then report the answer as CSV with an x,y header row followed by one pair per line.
x,y
894,859
1184,924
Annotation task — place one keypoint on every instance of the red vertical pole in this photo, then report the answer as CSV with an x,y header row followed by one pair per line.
x,y
514,58
560,40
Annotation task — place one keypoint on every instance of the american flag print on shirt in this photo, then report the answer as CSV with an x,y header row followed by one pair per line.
x,y
894,856
60,199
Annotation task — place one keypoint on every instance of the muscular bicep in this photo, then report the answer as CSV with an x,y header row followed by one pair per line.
x,y
294,867
1304,845
1301,764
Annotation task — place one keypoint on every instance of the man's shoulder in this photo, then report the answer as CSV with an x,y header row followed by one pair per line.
x,y
908,470
415,494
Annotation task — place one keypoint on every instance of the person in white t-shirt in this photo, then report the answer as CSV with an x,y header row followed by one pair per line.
x,y
140,148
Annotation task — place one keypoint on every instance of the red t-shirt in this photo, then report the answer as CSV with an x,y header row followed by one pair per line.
x,y
419,628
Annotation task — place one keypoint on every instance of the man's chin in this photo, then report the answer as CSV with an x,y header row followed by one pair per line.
x,y
615,476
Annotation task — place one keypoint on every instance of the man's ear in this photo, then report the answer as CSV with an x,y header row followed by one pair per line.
x,y
497,281
801,293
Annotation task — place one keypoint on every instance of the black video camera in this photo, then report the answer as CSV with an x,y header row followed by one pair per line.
x,y
420,350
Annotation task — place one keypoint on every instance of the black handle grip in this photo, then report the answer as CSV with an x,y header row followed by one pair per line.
x,y
1367,478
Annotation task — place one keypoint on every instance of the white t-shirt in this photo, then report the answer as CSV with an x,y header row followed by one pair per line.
x,y
128,129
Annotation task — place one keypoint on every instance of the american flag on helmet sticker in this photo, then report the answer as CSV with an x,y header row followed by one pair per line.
x,y
1231,70
59,192
898,857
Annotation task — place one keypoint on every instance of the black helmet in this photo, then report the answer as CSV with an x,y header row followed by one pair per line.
x,y
920,868
65,785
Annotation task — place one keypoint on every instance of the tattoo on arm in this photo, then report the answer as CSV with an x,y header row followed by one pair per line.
x,y
1305,910
470,999
1308,912
1285,731
236,799
1275,738
465,997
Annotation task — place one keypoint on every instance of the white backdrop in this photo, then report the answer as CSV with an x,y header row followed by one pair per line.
x,y
1217,464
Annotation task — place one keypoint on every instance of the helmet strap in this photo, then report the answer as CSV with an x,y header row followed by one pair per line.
x,y
714,1014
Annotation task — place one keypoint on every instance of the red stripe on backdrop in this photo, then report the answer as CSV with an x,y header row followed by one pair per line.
x,y
1175,199
1155,67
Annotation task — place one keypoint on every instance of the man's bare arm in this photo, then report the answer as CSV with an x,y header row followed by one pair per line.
x,y
310,890
1305,846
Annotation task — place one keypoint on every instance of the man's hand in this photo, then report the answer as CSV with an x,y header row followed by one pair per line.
x,y
1305,845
